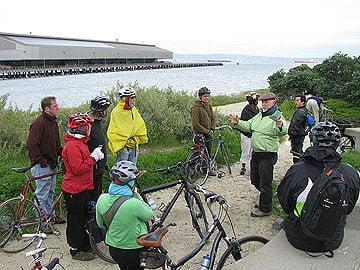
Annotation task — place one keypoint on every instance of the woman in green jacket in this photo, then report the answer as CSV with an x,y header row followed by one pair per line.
x,y
129,221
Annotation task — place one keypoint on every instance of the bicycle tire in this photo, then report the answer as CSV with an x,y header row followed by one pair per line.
x,y
246,247
226,158
198,215
197,168
100,249
28,222
346,143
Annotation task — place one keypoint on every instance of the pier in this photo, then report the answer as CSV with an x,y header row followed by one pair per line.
x,y
35,72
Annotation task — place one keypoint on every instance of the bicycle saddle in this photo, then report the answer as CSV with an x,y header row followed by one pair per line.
x,y
153,239
22,170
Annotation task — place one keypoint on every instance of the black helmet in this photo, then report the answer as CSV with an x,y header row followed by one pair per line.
x,y
326,134
123,172
99,104
203,91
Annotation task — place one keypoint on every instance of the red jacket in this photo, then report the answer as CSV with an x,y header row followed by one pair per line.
x,y
78,165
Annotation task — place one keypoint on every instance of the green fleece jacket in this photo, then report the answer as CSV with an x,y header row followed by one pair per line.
x,y
265,136
129,221
202,117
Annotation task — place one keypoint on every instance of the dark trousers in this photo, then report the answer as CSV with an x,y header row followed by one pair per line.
x,y
127,259
297,143
208,143
96,192
76,206
261,176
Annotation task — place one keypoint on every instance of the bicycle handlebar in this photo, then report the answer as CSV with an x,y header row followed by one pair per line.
x,y
178,166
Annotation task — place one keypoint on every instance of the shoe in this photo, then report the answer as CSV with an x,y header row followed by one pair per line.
x,y
258,213
58,220
83,256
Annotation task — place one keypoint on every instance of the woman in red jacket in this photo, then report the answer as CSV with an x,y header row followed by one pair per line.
x,y
77,182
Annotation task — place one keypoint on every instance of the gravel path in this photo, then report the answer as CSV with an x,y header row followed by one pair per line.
x,y
237,191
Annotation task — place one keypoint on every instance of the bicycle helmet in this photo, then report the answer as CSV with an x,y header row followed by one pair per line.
x,y
79,123
123,172
99,104
203,91
251,97
127,92
326,134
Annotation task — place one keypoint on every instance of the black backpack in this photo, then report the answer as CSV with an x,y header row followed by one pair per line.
x,y
326,205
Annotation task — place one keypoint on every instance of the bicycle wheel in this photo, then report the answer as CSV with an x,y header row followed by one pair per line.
x,y
245,246
346,143
198,215
226,157
98,245
198,167
12,229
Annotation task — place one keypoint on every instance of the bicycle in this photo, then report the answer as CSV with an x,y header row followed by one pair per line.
x,y
192,199
201,163
38,253
346,142
235,247
20,215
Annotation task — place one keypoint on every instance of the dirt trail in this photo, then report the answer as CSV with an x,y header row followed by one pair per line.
x,y
236,189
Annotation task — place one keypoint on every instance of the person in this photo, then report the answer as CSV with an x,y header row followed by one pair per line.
x,y
249,111
203,118
314,105
126,128
44,149
98,111
294,188
77,183
267,127
130,219
297,128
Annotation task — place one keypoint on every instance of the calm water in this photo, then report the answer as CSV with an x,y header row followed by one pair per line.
x,y
74,89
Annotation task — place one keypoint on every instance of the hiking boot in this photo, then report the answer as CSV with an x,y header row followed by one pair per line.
x,y
83,256
257,213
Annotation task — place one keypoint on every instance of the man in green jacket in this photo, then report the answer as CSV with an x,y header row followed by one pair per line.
x,y
266,128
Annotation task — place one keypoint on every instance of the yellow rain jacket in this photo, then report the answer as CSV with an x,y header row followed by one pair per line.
x,y
126,128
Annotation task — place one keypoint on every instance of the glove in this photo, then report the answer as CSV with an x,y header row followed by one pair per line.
x,y
97,154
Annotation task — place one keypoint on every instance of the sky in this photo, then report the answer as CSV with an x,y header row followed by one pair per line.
x,y
281,28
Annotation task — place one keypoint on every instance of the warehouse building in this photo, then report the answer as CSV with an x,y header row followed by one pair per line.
x,y
18,50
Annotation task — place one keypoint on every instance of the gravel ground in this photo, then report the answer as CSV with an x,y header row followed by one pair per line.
x,y
236,189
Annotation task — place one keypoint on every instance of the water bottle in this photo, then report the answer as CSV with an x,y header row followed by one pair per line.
x,y
205,262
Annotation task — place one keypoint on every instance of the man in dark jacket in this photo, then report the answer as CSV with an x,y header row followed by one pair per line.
x,y
249,111
296,185
297,127
202,117
44,149
98,110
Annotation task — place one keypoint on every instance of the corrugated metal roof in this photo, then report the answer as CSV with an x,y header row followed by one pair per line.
x,y
59,42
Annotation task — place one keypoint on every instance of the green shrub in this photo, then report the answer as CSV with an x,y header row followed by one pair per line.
x,y
353,158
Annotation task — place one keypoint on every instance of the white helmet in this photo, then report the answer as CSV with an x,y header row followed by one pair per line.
x,y
127,92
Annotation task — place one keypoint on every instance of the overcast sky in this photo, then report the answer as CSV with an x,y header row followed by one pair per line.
x,y
286,28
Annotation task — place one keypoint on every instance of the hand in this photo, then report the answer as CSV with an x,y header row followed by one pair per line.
x,y
278,123
97,154
233,118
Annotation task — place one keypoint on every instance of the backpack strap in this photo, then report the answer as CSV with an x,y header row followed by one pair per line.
x,y
110,213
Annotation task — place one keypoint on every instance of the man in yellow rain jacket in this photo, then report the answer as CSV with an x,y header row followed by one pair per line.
x,y
126,128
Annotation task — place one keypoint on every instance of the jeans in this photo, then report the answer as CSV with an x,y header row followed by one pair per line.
x,y
130,154
45,187
261,176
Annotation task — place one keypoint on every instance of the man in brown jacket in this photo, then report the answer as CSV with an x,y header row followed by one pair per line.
x,y
44,148
202,117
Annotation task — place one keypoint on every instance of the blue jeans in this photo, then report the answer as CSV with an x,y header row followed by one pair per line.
x,y
45,187
130,154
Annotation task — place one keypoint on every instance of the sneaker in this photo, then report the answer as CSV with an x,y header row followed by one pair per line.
x,y
258,213
83,256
